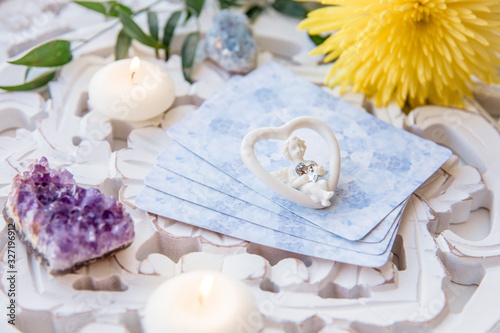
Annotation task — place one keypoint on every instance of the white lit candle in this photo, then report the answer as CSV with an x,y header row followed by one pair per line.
x,y
132,90
201,302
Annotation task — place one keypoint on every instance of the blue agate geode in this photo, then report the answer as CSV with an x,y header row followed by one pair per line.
x,y
229,42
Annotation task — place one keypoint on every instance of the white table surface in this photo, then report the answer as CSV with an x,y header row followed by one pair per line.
x,y
26,23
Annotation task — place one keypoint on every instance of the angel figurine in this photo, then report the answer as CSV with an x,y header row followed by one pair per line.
x,y
304,175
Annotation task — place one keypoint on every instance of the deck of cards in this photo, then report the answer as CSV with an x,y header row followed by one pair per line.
x,y
201,179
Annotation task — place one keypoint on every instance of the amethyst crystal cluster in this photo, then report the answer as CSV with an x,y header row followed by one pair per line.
x,y
66,225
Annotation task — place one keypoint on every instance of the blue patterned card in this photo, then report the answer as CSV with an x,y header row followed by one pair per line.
x,y
183,162
381,165
163,204
182,188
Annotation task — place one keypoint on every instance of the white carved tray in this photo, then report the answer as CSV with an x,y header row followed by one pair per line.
x,y
448,242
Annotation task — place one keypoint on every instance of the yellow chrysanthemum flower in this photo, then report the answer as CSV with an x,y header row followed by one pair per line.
x,y
420,51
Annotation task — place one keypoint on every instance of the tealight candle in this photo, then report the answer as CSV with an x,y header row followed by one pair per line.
x,y
131,90
201,302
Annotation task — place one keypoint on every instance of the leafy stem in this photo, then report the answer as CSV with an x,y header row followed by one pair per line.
x,y
57,53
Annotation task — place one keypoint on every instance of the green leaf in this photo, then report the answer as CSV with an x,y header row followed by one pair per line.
x,y
317,39
188,52
188,15
168,31
123,42
36,83
153,24
117,7
290,8
253,12
93,5
28,70
195,6
133,30
108,8
52,54
224,4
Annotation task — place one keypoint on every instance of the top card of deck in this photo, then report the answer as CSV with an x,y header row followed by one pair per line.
x,y
381,165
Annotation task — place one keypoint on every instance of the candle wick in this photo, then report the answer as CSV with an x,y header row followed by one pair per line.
x,y
132,77
202,299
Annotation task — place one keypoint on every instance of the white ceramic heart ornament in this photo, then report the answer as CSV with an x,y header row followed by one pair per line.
x,y
301,174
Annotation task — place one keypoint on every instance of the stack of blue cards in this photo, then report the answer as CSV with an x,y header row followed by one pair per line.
x,y
200,178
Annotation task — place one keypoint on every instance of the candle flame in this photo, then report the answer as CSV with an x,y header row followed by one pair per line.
x,y
206,287
134,65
